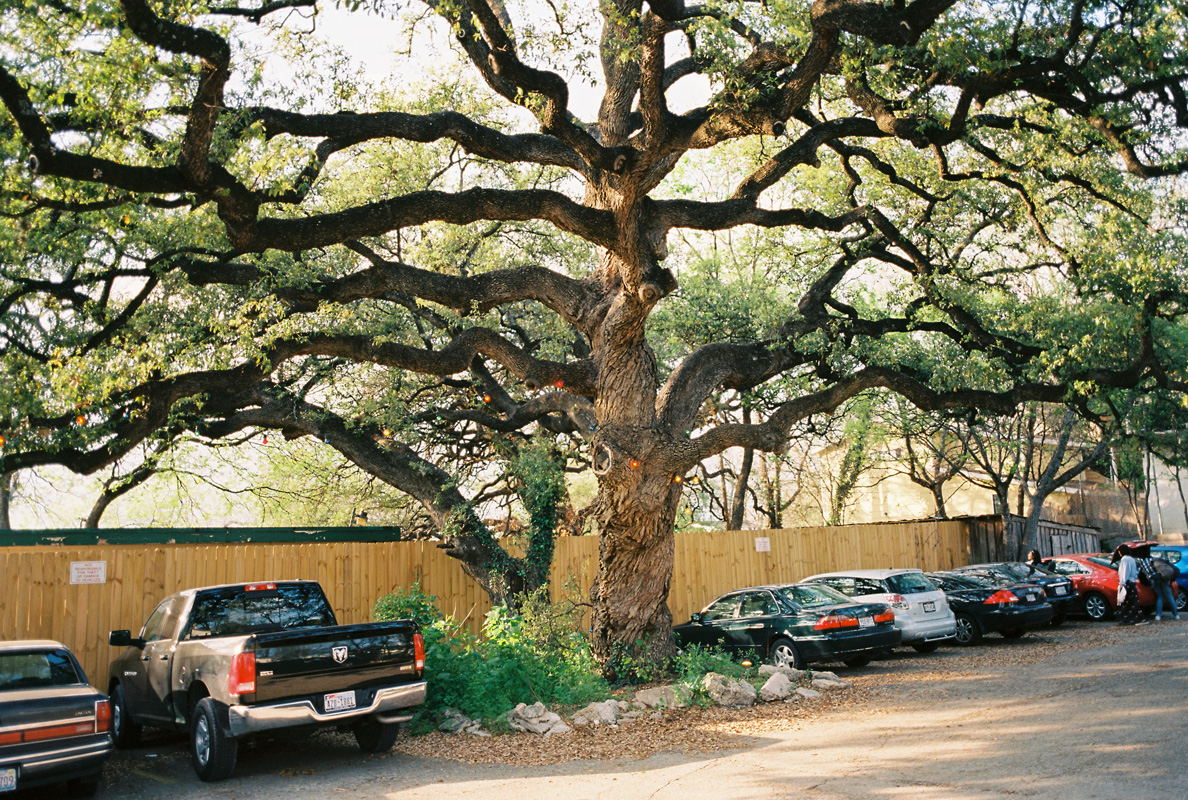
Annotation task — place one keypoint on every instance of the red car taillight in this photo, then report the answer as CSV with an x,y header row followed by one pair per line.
x,y
896,601
419,650
57,731
102,716
242,678
1000,597
834,621
885,616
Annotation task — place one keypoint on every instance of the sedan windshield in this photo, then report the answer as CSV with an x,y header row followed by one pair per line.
x,y
35,670
811,595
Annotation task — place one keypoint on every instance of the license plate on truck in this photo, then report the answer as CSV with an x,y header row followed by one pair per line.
x,y
339,701
8,779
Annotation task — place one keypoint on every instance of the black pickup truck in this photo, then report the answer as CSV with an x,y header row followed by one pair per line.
x,y
229,662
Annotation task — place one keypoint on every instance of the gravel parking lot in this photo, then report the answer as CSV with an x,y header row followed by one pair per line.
x,y
1085,710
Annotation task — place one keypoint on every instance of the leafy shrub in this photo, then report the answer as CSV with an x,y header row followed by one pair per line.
x,y
525,656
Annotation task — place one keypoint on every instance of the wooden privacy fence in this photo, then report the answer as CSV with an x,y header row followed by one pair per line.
x,y
39,601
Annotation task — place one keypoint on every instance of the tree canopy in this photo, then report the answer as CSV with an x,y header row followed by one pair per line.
x,y
217,227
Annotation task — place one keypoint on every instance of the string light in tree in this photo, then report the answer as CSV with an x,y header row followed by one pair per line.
x,y
265,439
80,419
560,384
634,463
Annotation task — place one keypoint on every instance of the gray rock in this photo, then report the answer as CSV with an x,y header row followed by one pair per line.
x,y
535,718
604,713
670,696
727,692
791,673
777,687
829,683
804,691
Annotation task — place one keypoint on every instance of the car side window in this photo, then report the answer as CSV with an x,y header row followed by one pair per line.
x,y
1173,556
758,604
866,586
152,628
843,585
720,609
1068,568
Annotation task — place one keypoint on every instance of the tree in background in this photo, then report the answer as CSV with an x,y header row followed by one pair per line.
x,y
932,454
976,208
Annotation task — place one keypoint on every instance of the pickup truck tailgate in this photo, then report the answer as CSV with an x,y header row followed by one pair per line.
x,y
316,661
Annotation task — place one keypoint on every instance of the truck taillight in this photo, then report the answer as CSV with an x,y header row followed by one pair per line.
x,y
419,650
102,716
242,678
259,587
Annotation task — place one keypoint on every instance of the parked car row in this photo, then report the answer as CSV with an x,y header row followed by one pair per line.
x,y
854,616
221,663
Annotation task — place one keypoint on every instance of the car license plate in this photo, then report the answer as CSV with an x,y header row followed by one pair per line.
x,y
866,622
1061,590
340,701
8,779
1030,596
929,606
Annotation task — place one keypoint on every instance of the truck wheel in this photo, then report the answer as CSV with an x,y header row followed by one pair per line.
x,y
374,736
214,752
124,732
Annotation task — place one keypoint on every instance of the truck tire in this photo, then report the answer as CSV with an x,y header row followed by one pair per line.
x,y
374,736
213,751
124,732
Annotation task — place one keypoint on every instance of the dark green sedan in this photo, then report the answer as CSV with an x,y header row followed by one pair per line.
x,y
793,625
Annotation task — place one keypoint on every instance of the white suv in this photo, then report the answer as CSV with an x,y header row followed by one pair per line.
x,y
922,613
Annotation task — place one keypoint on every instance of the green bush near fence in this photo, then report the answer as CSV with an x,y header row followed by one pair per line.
x,y
534,655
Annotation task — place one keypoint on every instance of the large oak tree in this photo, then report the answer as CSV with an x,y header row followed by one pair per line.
x,y
975,204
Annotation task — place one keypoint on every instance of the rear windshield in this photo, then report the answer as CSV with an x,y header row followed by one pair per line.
x,y
36,669
910,583
233,611
1024,572
811,595
962,581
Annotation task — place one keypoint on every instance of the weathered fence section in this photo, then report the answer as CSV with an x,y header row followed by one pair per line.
x,y
39,600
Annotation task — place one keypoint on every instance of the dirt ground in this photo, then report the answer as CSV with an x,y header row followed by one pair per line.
x,y
1085,710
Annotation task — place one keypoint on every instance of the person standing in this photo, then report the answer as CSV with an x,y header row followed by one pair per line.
x,y
1129,612
1162,589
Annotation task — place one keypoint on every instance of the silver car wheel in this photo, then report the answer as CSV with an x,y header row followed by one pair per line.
x,y
202,740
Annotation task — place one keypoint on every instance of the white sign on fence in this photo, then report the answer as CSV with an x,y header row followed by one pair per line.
x,y
762,544
88,572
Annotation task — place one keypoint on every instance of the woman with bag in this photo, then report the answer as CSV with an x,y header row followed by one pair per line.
x,y
1129,612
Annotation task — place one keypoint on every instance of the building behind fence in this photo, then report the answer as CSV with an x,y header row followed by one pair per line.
x,y
76,586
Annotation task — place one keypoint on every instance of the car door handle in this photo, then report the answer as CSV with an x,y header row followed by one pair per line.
x,y
165,658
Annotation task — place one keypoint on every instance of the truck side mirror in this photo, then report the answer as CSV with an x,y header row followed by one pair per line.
x,y
124,639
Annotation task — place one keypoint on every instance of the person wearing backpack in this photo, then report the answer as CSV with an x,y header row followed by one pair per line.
x,y
1149,574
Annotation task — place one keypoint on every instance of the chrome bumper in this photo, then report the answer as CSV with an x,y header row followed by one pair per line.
x,y
389,705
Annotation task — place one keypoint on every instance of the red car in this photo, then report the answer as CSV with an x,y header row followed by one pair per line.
x,y
1096,582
